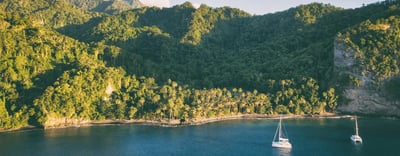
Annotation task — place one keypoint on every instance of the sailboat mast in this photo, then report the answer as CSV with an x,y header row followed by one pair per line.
x,y
276,132
356,127
280,125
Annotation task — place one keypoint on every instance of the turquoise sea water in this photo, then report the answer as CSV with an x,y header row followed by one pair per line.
x,y
309,137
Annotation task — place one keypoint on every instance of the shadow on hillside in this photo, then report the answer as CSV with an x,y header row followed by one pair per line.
x,y
82,32
41,82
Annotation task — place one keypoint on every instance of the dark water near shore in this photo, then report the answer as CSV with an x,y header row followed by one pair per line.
x,y
309,137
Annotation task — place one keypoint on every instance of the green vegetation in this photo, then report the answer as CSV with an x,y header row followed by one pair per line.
x,y
50,13
377,46
106,6
60,60
82,94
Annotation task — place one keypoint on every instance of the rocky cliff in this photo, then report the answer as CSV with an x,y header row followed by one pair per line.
x,y
363,95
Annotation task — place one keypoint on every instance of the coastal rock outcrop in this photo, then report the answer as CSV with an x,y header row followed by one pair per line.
x,y
54,122
363,96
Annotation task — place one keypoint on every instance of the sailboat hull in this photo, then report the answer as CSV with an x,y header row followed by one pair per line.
x,y
356,139
281,145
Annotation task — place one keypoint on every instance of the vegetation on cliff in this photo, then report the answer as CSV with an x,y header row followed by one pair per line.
x,y
376,47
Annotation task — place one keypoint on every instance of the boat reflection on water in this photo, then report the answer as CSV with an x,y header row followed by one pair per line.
x,y
357,148
281,151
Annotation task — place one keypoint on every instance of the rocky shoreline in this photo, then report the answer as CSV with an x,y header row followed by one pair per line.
x,y
172,123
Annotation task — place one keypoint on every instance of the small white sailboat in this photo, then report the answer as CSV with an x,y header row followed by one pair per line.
x,y
356,138
280,141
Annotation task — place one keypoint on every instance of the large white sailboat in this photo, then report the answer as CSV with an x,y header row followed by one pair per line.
x,y
356,138
280,141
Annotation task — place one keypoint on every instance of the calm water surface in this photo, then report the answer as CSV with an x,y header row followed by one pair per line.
x,y
309,137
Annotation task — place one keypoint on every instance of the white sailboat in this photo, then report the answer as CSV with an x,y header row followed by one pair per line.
x,y
356,138
279,139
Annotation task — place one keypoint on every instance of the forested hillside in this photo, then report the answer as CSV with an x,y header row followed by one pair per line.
x,y
64,60
107,6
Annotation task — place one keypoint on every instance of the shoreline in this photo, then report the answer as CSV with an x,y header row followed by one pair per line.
x,y
198,121
176,122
